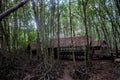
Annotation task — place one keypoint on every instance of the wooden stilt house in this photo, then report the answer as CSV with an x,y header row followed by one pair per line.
x,y
67,46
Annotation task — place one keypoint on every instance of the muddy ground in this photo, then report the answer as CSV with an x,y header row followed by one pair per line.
x,y
100,70
65,70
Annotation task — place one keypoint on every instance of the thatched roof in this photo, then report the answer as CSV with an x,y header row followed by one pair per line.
x,y
96,43
67,42
101,43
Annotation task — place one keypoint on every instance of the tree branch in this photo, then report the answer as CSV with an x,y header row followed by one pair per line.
x,y
14,8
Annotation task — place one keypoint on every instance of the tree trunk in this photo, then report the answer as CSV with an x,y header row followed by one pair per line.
x,y
14,8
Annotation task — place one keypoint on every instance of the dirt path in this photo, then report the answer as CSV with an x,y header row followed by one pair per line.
x,y
66,75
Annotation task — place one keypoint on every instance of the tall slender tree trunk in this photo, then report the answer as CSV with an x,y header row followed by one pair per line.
x,y
58,33
71,30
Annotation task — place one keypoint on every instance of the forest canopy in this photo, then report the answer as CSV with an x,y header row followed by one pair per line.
x,y
28,21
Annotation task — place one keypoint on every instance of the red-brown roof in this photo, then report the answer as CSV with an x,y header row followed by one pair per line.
x,y
101,43
67,42
96,43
